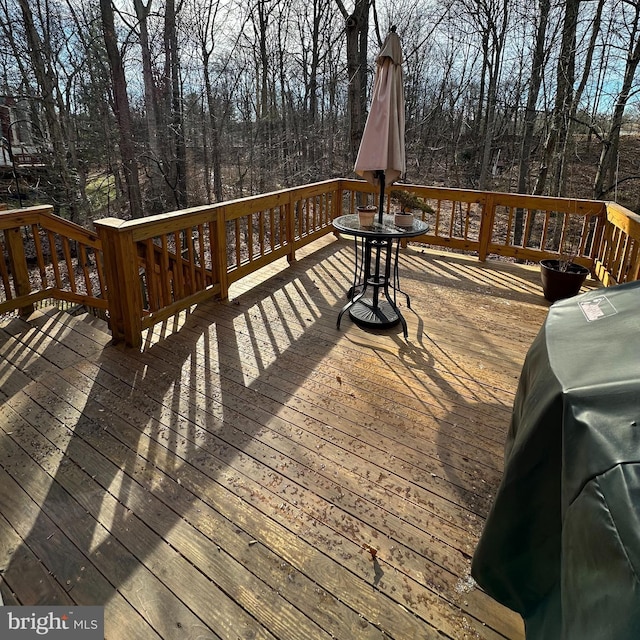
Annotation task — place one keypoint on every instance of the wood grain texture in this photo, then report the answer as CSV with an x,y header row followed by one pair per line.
x,y
252,472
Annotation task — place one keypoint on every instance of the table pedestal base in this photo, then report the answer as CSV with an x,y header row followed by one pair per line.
x,y
376,271
383,315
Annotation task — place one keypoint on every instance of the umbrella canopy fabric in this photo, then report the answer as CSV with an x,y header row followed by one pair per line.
x,y
382,144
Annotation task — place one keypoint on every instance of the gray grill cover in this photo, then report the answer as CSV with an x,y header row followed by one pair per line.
x,y
561,545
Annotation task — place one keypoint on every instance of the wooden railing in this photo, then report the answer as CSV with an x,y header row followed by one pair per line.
x,y
156,266
617,258
162,264
487,222
46,257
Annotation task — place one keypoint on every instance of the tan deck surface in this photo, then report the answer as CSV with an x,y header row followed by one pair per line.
x,y
254,473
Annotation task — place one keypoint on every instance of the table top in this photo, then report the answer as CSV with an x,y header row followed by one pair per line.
x,y
350,224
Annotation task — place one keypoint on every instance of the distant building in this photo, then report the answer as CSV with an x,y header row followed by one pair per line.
x,y
19,142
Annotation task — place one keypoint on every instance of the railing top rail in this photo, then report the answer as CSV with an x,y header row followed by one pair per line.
x,y
10,218
625,219
445,193
580,206
577,206
164,222
152,221
43,215
144,228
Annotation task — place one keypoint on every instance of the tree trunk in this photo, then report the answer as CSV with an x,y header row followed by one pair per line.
x,y
312,90
287,115
490,124
357,30
563,101
606,175
559,187
491,22
263,113
64,190
539,57
174,103
122,110
479,116
154,161
216,162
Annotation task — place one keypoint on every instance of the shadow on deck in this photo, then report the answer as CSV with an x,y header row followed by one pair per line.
x,y
252,472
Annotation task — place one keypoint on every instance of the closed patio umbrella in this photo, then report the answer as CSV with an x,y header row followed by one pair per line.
x,y
381,157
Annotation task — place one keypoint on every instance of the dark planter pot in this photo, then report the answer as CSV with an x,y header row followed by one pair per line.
x,y
558,284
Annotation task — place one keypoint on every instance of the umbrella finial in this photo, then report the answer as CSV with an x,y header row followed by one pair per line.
x,y
393,28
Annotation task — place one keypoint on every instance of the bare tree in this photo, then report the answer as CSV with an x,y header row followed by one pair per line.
x,y
177,151
262,15
154,156
207,30
122,110
606,173
490,20
357,31
65,193
565,78
206,52
540,56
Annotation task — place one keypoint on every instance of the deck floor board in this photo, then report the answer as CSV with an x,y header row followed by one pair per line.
x,y
253,472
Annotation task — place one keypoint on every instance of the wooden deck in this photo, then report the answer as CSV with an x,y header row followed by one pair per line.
x,y
252,472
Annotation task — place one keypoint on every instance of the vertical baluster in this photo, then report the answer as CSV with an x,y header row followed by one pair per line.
x,y
37,243
71,272
54,259
83,260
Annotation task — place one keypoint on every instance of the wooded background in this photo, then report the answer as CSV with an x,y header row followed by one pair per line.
x,y
156,105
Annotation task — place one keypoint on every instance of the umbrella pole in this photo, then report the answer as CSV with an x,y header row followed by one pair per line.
x,y
376,289
381,207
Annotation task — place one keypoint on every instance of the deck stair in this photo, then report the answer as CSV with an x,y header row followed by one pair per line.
x,y
45,341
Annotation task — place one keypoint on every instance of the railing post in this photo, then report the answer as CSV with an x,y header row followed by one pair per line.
x,y
18,266
486,226
337,206
289,208
221,251
122,280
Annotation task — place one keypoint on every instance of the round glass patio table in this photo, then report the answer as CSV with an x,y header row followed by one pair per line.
x,y
372,297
